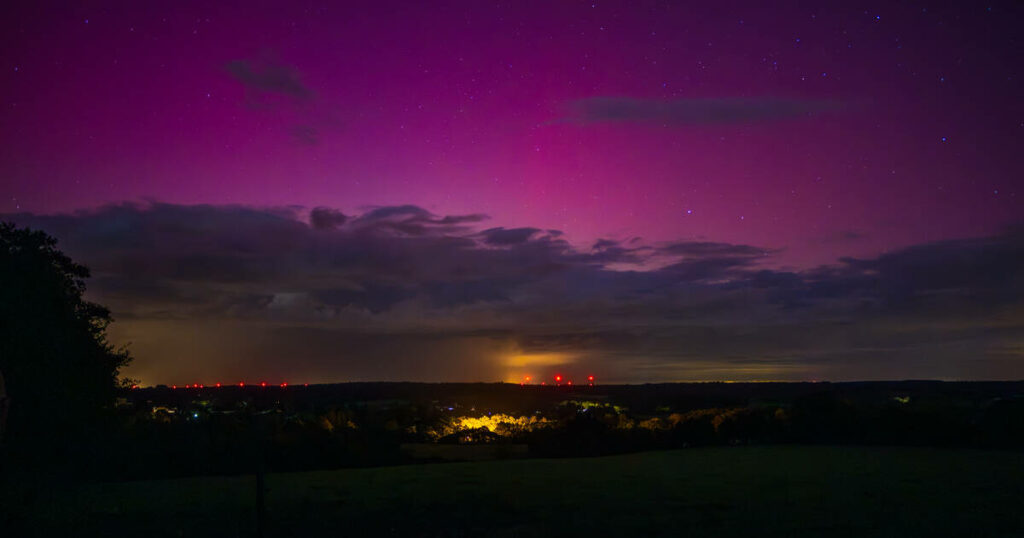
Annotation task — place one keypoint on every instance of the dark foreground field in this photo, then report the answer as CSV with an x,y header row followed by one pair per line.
x,y
763,491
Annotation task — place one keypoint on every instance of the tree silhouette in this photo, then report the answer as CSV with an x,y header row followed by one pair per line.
x,y
60,371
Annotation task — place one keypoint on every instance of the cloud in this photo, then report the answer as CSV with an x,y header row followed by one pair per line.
x,y
392,292
708,248
411,220
508,236
325,218
271,85
982,271
681,112
269,78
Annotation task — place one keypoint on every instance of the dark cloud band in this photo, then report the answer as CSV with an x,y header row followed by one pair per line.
x,y
407,275
691,111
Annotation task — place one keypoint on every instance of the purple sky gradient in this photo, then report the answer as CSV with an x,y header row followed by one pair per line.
x,y
456,108
857,131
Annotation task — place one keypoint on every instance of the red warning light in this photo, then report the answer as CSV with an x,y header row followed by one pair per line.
x,y
558,378
543,382
217,385
590,378
174,386
306,385
263,384
241,384
135,386
569,383
199,385
284,384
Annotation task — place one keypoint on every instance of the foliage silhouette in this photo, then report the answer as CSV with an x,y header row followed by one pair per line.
x,y
61,372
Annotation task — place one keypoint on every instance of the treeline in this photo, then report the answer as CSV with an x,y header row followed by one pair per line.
x,y
822,418
200,438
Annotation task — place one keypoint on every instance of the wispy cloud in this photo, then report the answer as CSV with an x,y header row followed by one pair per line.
x,y
270,84
679,112
269,78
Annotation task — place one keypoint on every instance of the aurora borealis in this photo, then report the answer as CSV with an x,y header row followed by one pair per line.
x,y
476,191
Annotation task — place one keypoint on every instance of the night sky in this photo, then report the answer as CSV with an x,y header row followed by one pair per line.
x,y
643,191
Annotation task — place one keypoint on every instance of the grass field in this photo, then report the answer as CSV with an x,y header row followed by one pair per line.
x,y
749,492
